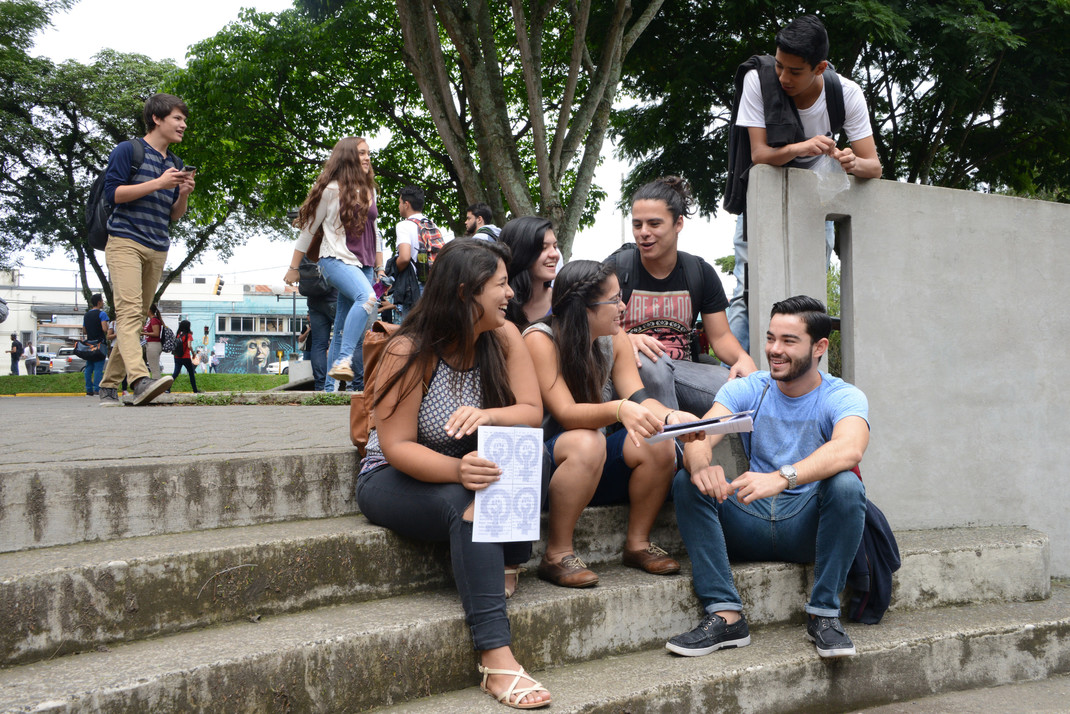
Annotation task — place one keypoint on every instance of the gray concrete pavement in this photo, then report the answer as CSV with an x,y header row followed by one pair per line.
x,y
52,430
1046,696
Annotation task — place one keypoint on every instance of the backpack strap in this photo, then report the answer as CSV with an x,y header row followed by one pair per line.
x,y
693,279
834,99
626,262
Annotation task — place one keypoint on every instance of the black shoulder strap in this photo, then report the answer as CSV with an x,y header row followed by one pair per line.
x,y
693,280
137,159
626,262
834,99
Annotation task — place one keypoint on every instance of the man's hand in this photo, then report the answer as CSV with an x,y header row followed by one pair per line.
x,y
711,482
647,345
846,157
172,177
743,366
815,146
752,485
189,182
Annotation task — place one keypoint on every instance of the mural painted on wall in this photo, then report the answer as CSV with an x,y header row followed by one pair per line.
x,y
251,354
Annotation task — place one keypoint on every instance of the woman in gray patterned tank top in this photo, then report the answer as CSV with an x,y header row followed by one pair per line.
x,y
422,467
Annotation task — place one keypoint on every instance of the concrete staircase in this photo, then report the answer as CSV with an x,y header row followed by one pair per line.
x,y
331,614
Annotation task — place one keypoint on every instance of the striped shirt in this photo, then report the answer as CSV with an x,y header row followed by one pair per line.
x,y
146,220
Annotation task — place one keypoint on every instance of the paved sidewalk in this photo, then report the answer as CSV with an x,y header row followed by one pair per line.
x,y
50,430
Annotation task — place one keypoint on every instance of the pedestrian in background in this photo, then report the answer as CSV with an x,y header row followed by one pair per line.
x,y
97,329
337,222
16,354
30,354
153,346
184,354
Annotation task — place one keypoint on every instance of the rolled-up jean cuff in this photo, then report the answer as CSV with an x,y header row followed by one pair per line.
x,y
820,611
723,607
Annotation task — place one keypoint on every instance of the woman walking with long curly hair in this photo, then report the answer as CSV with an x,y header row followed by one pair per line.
x,y
337,222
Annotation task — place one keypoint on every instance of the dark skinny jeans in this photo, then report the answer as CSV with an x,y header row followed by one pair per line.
x,y
186,362
434,512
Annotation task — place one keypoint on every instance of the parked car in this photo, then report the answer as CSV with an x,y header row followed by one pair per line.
x,y
45,356
281,367
67,361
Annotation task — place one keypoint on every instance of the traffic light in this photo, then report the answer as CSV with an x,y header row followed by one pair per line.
x,y
218,284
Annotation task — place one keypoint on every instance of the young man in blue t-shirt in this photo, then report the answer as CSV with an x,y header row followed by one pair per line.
x,y
810,430
138,239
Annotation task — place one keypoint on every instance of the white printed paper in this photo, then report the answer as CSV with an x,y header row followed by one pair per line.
x,y
508,510
727,424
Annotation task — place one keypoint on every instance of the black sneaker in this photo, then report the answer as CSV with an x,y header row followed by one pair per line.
x,y
712,634
828,635
146,389
109,397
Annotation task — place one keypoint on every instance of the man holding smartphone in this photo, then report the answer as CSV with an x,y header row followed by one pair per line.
x,y
138,239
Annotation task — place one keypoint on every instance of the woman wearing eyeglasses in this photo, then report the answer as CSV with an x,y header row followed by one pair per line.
x,y
576,350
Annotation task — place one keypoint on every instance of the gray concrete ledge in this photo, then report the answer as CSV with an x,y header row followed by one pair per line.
x,y
356,657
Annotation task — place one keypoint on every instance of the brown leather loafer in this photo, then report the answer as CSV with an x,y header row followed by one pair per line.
x,y
652,559
571,572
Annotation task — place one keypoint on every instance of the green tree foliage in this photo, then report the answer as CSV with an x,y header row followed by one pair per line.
x,y
58,124
970,94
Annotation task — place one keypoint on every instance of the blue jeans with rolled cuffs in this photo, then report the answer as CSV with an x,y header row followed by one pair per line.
x,y
822,526
353,314
435,512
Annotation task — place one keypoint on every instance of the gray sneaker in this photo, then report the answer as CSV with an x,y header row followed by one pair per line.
x,y
712,634
146,389
829,637
109,397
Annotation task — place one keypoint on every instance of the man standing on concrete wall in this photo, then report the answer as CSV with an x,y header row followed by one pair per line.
x,y
799,502
138,239
787,110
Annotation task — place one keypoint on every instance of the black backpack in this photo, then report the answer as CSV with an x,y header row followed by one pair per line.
x,y
98,210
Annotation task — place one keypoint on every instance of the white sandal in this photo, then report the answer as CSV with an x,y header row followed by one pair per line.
x,y
514,571
511,696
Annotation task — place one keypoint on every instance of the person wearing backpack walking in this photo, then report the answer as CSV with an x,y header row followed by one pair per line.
x,y
413,227
184,354
153,332
16,354
138,239
663,290
787,111
337,222
97,329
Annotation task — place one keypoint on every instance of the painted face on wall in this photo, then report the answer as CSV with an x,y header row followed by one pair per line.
x,y
257,352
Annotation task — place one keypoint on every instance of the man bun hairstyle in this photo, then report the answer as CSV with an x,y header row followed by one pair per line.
x,y
414,196
160,106
812,312
673,190
805,37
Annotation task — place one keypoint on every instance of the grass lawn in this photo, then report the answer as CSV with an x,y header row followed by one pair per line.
x,y
75,383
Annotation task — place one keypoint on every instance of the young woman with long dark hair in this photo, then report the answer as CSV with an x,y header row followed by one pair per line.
x,y
532,268
339,214
576,351
422,467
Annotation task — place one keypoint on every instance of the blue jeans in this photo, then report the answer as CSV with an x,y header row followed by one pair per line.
x,y
356,305
680,384
822,526
319,334
94,371
738,321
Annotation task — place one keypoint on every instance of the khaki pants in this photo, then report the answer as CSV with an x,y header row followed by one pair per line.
x,y
135,272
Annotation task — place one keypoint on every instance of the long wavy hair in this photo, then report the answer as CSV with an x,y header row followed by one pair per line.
x,y
524,236
356,188
443,322
580,361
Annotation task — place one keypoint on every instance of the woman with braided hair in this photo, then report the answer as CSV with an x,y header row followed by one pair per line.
x,y
576,350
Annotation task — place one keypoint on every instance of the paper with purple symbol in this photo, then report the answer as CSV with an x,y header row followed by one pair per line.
x,y
508,510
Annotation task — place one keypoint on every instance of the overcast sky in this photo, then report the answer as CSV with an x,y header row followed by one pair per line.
x,y
165,31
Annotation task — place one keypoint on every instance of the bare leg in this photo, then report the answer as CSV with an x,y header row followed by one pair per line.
x,y
580,455
653,467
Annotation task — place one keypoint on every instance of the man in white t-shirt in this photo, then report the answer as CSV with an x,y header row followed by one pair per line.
x,y
410,206
800,61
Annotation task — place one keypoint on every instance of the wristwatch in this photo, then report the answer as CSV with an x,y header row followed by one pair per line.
x,y
789,473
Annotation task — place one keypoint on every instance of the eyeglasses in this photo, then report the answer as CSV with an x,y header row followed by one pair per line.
x,y
612,301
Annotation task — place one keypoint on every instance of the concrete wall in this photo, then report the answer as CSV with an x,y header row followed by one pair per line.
x,y
956,309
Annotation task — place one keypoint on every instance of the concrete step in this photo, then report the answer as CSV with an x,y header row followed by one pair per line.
x,y
73,598
66,502
911,654
355,657
363,654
